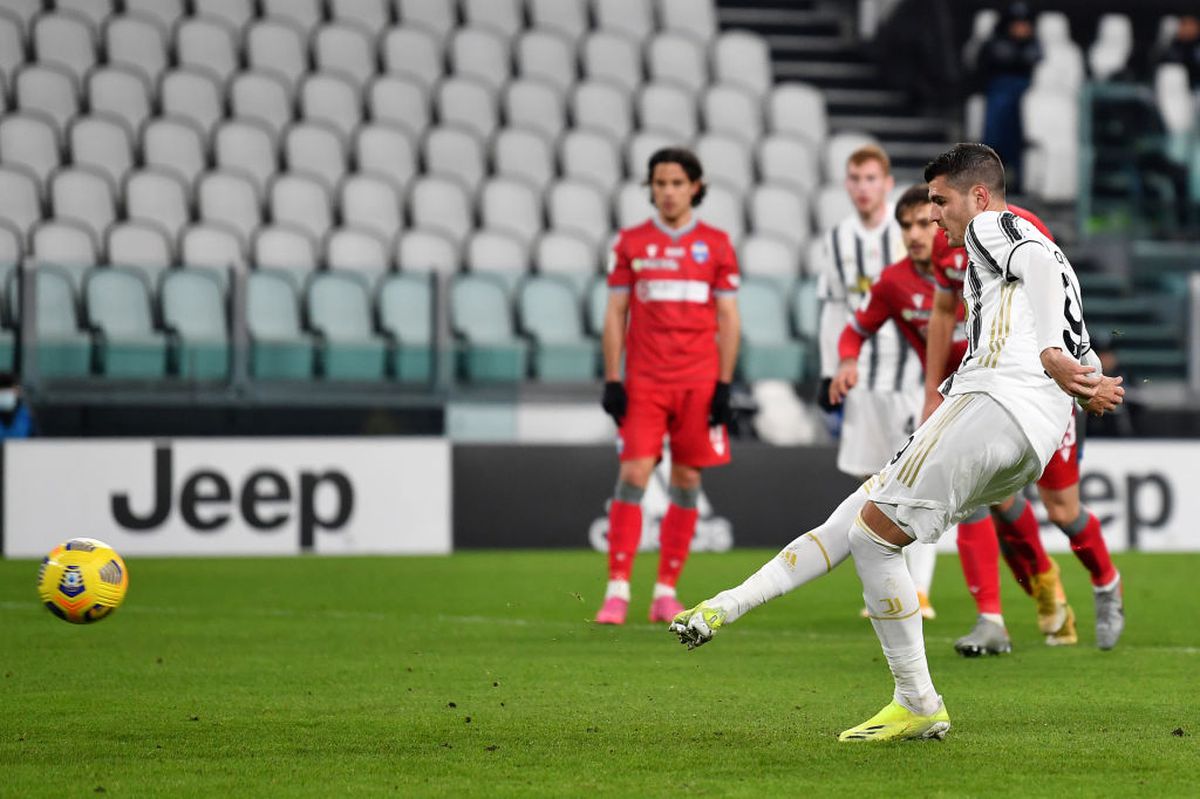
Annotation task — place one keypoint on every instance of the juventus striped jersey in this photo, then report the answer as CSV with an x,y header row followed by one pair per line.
x,y
1003,356
854,258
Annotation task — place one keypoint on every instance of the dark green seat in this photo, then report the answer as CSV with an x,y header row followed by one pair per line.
x,y
118,306
339,308
193,306
406,314
62,349
768,352
550,313
279,348
480,315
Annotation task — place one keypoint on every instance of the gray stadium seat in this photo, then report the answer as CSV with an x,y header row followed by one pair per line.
x,y
770,259
263,98
173,144
640,147
12,47
235,13
117,92
62,349
768,352
427,251
165,13
806,308
838,149
742,58
435,16
20,205
601,107
139,246
214,249
346,50
798,109
330,100
85,196
633,19
279,348
790,162
480,317
285,250
230,199
302,202
567,18
549,310
596,303
548,57
66,41
101,144
779,212
50,90
401,102
613,57
246,148
368,16
481,54
413,53
505,17
536,106
138,44
405,307
277,47
831,205
512,207
371,204
695,18
194,96
441,204
469,104
316,150
358,252
387,153
592,157
92,12
24,11
579,208
456,154
193,310
726,160
523,155
723,208
158,197
678,59
207,45
668,110
306,15
338,308
631,204
568,257
733,112
118,305
29,143
66,245
498,255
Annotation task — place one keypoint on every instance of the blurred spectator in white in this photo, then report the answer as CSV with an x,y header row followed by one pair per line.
x,y
1004,71
1184,48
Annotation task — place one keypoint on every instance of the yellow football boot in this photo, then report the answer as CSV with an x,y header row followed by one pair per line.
x,y
1056,619
897,723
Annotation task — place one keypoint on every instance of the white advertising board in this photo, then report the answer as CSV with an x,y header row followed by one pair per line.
x,y
229,496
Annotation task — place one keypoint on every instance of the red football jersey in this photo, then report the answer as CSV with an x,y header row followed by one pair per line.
x,y
673,278
950,263
905,295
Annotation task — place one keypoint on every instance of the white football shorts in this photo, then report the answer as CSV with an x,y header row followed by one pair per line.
x,y
970,452
875,424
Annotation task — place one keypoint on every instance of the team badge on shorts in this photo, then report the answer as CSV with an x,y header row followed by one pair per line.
x,y
716,437
699,252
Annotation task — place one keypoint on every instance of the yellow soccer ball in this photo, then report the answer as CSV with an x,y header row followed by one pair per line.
x,y
82,580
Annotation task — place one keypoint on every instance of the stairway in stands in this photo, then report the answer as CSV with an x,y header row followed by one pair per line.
x,y
815,42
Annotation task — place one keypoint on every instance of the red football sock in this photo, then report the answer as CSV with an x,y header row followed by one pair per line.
x,y
675,541
979,553
624,535
1023,539
1088,545
1019,568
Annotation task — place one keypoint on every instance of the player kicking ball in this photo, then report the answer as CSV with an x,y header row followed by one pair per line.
x,y
672,310
1028,354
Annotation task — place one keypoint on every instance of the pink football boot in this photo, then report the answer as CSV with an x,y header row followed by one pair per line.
x,y
665,608
613,611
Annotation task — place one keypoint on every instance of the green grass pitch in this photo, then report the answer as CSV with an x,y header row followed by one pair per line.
x,y
480,674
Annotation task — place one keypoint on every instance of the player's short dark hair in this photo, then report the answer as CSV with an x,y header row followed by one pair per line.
x,y
687,160
967,164
911,198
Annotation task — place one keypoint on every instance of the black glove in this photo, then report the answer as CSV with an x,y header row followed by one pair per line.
x,y
615,400
719,411
823,395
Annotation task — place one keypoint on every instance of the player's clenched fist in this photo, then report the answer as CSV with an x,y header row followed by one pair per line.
x,y
720,412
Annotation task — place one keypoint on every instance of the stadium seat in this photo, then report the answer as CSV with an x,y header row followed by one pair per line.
x,y
613,57
778,211
67,245
481,54
193,311
387,153
338,308
50,90
789,162
117,92
1052,28
316,150
139,246
668,110
174,145
62,349
29,142
263,98
137,44
631,205
234,13
523,155
742,58
101,144
456,154
24,11
302,202
405,306
285,250
435,16
596,304
768,351
118,306
400,102
567,257
208,45
12,245
20,205
549,310
371,204
591,157
769,259
546,56
279,348
1060,68
1109,53
348,51
246,148
306,15
982,25
480,317
726,160
731,111
723,208
694,18
798,109
414,54
165,13
368,16
85,196
427,251
499,255
633,19
441,204
1173,96
1050,119
568,18
578,208
12,48
469,104
603,108
359,252
194,96
230,199
512,207
213,248
327,99
831,205
277,47
678,59
93,13
838,149
815,255
158,197
806,309
641,146
65,41
536,106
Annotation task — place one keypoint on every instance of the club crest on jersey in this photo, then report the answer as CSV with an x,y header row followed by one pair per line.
x,y
699,252
918,299
863,284
958,260
716,437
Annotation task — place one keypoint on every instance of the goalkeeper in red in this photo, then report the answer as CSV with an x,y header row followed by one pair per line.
x,y
672,310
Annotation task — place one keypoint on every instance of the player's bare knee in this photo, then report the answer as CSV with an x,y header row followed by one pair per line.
x,y
636,473
685,477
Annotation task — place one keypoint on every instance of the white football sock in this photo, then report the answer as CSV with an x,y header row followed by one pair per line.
x,y
808,557
662,589
891,599
618,589
921,559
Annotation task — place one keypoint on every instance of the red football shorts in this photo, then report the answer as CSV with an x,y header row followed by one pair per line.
x,y
681,413
1063,469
